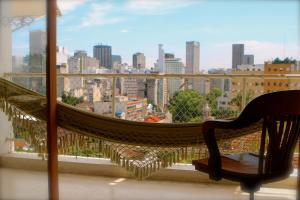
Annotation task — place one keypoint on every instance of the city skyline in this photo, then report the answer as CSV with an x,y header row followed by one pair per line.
x,y
140,27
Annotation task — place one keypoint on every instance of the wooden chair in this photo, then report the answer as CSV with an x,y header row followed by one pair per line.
x,y
280,115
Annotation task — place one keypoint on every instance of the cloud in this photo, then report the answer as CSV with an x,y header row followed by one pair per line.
x,y
69,5
220,54
104,13
268,50
99,15
157,7
124,30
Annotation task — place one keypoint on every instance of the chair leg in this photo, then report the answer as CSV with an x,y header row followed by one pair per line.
x,y
251,197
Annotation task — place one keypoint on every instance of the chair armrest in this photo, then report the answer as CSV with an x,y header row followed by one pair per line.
x,y
214,160
208,130
221,124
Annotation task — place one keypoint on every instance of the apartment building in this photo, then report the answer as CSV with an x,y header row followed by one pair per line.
x,y
271,85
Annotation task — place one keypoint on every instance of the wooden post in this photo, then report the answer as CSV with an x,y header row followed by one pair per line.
x,y
298,172
51,101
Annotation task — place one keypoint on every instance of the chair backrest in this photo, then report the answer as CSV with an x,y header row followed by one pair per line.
x,y
280,112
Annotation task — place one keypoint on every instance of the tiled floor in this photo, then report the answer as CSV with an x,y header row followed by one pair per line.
x,y
21,184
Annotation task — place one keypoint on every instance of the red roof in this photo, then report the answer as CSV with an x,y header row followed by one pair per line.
x,y
152,119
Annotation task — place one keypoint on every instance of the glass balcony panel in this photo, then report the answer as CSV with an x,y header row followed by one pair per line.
x,y
23,135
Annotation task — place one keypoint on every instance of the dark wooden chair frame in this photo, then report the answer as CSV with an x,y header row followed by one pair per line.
x,y
280,115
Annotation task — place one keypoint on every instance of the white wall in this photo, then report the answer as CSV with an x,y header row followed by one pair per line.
x,y
5,66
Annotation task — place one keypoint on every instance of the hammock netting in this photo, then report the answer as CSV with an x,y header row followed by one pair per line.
x,y
141,148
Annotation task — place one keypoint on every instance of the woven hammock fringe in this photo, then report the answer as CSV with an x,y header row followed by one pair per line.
x,y
71,143
140,161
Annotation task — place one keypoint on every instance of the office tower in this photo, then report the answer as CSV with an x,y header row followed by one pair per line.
x,y
169,56
237,55
192,57
63,83
103,54
248,60
80,53
139,60
37,60
193,63
17,63
160,65
37,42
173,66
129,87
167,63
86,62
162,90
151,90
116,61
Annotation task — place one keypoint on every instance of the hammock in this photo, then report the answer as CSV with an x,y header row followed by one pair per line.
x,y
141,148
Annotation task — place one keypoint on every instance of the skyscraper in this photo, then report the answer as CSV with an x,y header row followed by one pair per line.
x,y
192,57
116,60
173,66
162,90
80,53
139,60
248,60
37,60
86,62
103,54
38,41
237,55
161,59
193,63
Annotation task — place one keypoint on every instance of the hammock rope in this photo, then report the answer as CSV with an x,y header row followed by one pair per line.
x,y
141,148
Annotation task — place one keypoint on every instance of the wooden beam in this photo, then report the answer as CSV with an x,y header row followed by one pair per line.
x,y
298,173
51,101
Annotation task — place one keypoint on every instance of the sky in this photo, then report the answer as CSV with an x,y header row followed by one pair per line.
x,y
269,29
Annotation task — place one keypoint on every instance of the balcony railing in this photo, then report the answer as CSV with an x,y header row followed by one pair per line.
x,y
182,111
239,85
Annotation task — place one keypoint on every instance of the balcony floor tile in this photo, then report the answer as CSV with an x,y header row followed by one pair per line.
x,y
21,184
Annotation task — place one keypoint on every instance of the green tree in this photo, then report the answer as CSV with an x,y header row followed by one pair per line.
x,y
186,106
71,100
284,61
237,101
212,99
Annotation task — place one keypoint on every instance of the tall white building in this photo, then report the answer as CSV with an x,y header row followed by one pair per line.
x,y
192,57
167,63
174,66
63,84
161,59
162,90
193,63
